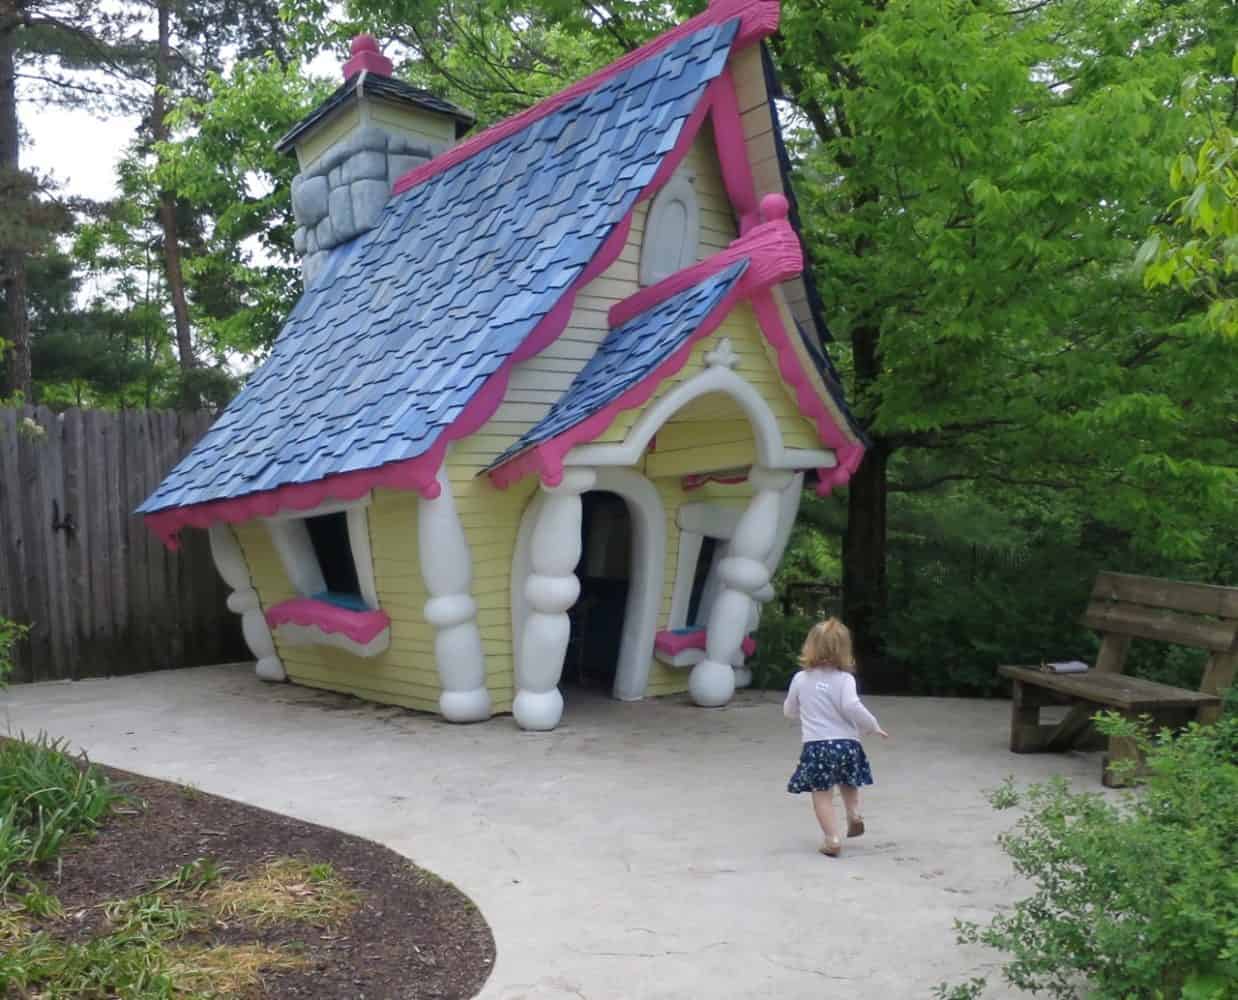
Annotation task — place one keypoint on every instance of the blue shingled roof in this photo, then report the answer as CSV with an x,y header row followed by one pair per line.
x,y
628,354
406,323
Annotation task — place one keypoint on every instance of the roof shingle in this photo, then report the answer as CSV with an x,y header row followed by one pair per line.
x,y
405,324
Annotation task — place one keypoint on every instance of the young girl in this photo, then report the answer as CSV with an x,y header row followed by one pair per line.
x,y
832,720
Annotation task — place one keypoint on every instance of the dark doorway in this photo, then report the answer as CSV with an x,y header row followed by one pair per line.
x,y
604,572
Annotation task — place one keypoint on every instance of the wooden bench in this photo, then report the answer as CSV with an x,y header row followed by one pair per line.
x,y
1123,608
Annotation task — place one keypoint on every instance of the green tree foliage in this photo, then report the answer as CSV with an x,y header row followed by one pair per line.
x,y
221,161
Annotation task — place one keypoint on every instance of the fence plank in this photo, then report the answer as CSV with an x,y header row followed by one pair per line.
x,y
17,602
35,523
77,568
102,594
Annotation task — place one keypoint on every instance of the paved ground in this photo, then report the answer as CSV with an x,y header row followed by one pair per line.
x,y
640,851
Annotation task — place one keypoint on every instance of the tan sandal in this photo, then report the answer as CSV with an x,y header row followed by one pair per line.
x,y
855,826
831,848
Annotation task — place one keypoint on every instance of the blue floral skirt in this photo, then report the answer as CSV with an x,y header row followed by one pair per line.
x,y
826,763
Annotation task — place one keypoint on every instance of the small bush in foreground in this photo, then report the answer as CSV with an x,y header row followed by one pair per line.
x,y
1133,899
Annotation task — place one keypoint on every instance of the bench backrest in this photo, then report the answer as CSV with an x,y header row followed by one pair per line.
x,y
1187,614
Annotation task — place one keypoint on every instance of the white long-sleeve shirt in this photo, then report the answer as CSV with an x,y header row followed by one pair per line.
x,y
828,706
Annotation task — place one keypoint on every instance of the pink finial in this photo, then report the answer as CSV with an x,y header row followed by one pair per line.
x,y
774,208
367,56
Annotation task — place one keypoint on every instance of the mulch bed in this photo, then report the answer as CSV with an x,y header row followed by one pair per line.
x,y
412,936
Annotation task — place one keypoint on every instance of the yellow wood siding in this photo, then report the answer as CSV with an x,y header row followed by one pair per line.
x,y
438,130
312,146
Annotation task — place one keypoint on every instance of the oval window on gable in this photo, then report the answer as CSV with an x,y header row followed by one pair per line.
x,y
672,231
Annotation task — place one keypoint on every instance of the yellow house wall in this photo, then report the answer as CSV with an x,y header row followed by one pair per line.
x,y
406,674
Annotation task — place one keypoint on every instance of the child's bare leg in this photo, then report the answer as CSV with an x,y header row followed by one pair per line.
x,y
823,806
851,802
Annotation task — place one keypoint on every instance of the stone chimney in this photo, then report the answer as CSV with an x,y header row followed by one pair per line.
x,y
356,145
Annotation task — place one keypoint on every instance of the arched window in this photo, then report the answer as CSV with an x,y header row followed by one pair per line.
x,y
672,231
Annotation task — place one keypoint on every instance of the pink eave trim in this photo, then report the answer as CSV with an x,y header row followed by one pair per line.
x,y
362,627
758,19
420,473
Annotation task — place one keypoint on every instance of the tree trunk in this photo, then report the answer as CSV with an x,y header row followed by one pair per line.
x,y
865,590
167,201
864,568
15,324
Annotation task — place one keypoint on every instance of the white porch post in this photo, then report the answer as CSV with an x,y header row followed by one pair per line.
x,y
786,522
230,561
447,569
744,575
550,589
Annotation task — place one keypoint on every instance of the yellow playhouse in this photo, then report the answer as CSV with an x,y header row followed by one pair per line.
x,y
546,408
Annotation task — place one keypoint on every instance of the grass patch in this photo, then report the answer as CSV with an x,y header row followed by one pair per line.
x,y
284,890
46,797
143,954
226,970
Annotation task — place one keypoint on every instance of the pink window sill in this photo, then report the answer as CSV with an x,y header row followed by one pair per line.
x,y
672,642
361,627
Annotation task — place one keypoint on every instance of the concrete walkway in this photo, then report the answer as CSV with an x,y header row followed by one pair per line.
x,y
640,851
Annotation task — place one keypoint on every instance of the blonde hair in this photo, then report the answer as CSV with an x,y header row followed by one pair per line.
x,y
828,645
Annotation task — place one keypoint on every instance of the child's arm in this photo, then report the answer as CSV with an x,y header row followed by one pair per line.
x,y
854,710
791,707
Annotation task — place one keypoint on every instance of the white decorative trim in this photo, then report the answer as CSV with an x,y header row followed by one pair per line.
x,y
330,507
447,569
723,355
230,561
362,554
709,519
742,574
690,544
768,438
640,615
311,635
653,266
806,458
296,552
648,578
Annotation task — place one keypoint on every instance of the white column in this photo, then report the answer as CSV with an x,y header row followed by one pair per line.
x,y
786,522
551,588
447,568
744,575
230,561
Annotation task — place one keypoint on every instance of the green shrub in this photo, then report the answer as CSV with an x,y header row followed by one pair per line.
x,y
1132,899
10,635
46,796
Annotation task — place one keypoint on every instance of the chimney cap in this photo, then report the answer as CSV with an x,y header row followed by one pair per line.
x,y
367,56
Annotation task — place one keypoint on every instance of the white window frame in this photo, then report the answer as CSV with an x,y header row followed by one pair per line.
x,y
291,538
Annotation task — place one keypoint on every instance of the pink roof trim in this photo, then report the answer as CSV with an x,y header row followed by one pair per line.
x,y
758,19
361,627
772,249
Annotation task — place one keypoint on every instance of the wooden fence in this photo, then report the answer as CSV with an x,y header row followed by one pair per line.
x,y
100,592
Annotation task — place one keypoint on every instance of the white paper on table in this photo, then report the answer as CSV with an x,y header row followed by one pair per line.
x,y
1067,667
